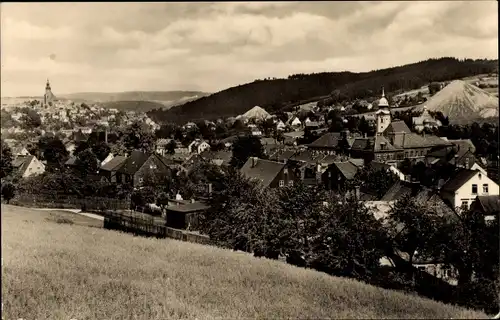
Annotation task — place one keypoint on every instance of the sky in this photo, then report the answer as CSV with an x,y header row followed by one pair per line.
x,y
114,47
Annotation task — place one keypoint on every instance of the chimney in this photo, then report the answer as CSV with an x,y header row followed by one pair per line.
x,y
364,135
356,190
106,135
254,161
193,201
209,188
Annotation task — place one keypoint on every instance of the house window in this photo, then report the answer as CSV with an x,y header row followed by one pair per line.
x,y
141,180
290,183
153,166
474,189
282,183
485,188
285,171
480,176
465,204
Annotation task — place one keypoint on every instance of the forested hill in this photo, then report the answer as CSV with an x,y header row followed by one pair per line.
x,y
277,94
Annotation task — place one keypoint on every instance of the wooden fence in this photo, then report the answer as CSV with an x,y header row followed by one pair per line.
x,y
91,204
149,227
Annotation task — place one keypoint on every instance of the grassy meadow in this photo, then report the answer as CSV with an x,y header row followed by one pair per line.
x,y
60,265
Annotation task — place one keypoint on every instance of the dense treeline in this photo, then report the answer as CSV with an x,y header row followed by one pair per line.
x,y
311,227
277,94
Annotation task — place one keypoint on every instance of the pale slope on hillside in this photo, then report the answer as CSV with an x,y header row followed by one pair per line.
x,y
256,113
460,100
62,271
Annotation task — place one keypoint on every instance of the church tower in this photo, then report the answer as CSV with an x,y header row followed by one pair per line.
x,y
48,97
383,115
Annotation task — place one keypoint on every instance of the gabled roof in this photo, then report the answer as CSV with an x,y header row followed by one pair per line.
x,y
266,141
134,162
114,164
375,165
328,140
305,156
162,142
465,144
71,161
490,204
213,155
461,177
380,141
413,140
347,169
22,163
264,170
312,124
294,134
398,190
188,207
283,155
396,127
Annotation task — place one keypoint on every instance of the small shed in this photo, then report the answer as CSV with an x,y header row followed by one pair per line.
x,y
185,215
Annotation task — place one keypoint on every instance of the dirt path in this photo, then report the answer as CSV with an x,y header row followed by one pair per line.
x,y
90,215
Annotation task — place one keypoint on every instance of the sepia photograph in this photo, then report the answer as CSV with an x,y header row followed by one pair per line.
x,y
250,160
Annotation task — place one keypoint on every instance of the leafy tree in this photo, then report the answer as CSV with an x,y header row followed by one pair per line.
x,y
54,152
244,148
8,191
166,131
434,87
170,147
138,137
101,150
80,147
6,160
348,242
364,126
87,163
238,214
299,220
411,223
377,181
31,119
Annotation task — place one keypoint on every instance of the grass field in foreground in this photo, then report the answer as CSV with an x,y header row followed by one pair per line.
x,y
60,270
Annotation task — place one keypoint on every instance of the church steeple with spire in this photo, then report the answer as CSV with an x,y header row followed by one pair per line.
x,y
48,97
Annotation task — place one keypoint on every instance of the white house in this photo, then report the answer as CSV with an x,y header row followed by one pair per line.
x,y
461,190
295,122
280,125
27,166
198,146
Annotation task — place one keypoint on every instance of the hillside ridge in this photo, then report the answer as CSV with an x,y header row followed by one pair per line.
x,y
279,94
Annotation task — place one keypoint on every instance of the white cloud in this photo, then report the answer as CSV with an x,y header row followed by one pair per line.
x,y
214,45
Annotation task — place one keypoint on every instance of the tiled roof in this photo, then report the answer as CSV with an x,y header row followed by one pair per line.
x,y
328,140
490,204
397,126
114,164
294,134
464,145
305,156
461,177
264,170
188,207
382,144
71,161
222,155
266,141
22,163
375,165
347,169
134,162
283,155
398,190
162,142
